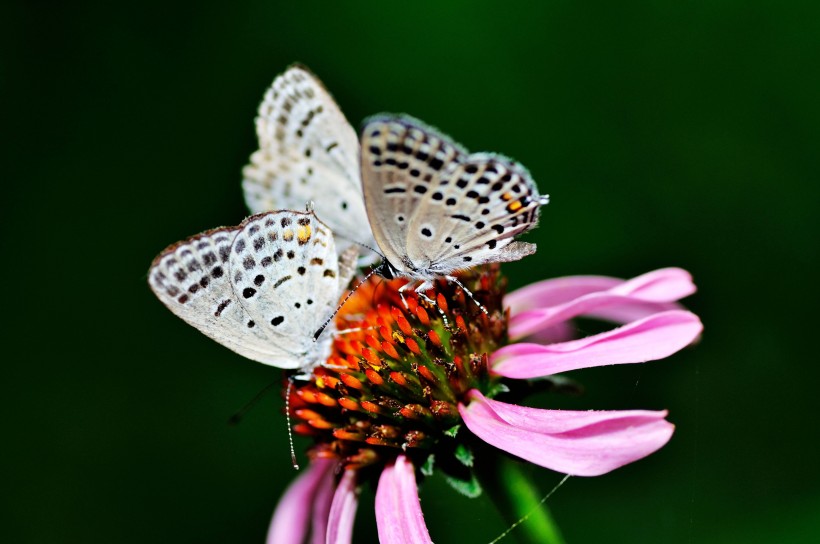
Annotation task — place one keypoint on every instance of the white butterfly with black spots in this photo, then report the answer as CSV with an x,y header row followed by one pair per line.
x,y
435,209
308,152
471,208
259,289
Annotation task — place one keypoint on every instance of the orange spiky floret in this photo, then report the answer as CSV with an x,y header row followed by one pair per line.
x,y
396,372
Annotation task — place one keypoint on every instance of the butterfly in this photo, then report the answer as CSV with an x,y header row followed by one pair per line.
x,y
434,209
260,288
308,152
431,208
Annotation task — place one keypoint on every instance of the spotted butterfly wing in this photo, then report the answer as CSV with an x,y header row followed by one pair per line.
x,y
307,152
259,289
433,208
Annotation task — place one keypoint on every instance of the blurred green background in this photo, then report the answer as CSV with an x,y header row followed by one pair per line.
x,y
668,134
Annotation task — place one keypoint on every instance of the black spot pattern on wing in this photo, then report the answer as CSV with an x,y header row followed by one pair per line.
x,y
450,208
184,272
307,152
229,300
402,163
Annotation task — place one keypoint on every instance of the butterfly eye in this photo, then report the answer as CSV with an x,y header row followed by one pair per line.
x,y
385,270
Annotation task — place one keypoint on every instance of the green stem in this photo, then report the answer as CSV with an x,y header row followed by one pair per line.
x,y
515,496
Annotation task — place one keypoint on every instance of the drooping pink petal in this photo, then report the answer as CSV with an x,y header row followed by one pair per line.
x,y
542,305
555,291
343,510
322,500
579,443
674,284
630,309
398,510
298,506
557,332
649,339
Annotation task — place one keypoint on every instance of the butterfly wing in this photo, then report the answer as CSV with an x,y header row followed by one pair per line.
x,y
286,275
472,217
433,208
402,162
347,268
192,279
307,152
224,283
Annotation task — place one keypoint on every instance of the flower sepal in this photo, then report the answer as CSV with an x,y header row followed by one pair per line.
x,y
470,488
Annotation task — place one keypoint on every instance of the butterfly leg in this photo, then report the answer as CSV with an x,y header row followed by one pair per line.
x,y
420,292
353,329
402,289
469,293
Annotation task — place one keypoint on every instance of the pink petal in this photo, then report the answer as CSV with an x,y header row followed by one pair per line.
x,y
648,339
322,500
343,510
562,290
545,304
559,332
556,291
579,443
630,309
398,510
291,520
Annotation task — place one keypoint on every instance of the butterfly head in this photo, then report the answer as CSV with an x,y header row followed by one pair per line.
x,y
387,270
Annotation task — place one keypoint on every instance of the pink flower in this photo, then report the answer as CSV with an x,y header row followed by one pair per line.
x,y
311,511
305,506
410,381
585,443
398,511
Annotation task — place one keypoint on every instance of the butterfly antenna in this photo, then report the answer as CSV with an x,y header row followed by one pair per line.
x,y
290,427
321,329
236,418
376,251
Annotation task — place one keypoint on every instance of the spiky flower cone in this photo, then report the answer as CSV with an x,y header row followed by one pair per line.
x,y
396,375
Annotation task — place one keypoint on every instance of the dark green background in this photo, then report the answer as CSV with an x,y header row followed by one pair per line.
x,y
667,135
